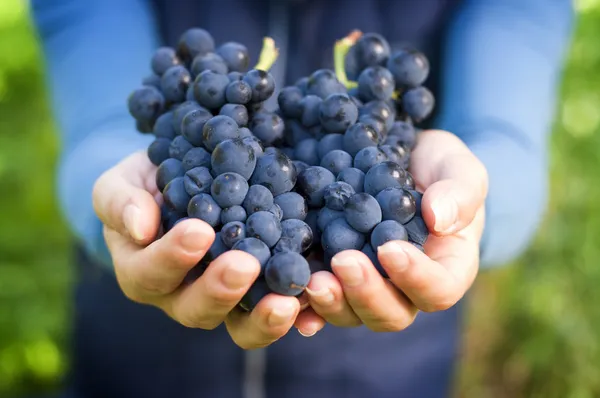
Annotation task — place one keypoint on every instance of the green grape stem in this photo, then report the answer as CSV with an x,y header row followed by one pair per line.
x,y
268,55
340,51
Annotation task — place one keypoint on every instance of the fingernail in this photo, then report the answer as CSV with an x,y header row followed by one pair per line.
x,y
348,270
238,276
131,218
309,332
322,297
395,255
281,315
445,211
193,238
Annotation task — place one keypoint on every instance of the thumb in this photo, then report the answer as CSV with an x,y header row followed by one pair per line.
x,y
123,203
450,203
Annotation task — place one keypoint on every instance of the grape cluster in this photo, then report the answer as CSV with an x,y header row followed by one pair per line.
x,y
325,172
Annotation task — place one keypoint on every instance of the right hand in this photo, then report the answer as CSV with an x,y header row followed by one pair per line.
x,y
151,271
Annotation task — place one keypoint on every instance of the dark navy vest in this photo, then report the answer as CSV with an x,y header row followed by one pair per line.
x,y
125,350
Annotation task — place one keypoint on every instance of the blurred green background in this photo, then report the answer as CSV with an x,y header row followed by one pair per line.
x,y
533,327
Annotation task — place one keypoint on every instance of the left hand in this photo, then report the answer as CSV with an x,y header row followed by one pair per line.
x,y
455,184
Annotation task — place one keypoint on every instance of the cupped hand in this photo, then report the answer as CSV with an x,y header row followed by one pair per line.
x,y
455,184
151,269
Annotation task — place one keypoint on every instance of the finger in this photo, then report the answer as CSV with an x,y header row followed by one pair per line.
x,y
161,267
379,305
270,320
206,302
309,322
450,204
326,297
123,199
436,283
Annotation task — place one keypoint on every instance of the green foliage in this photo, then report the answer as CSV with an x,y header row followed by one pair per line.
x,y
534,330
34,257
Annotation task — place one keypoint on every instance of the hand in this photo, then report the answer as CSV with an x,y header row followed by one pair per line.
x,y
455,185
151,271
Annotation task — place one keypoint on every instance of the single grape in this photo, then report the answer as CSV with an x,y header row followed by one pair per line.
x,y
196,157
210,61
306,151
265,226
375,83
354,177
233,232
296,237
151,80
197,180
163,127
387,231
323,83
328,143
362,212
292,204
337,112
175,195
267,127
146,104
311,105
167,171
276,210
276,172
209,89
235,156
258,198
252,142
311,219
417,230
238,92
357,137
174,83
179,147
339,236
336,161
229,189
180,112
261,83
405,133
287,273
371,49
289,100
337,194
216,249
193,42
396,204
418,103
233,213
368,157
204,207
218,129
375,123
312,182
235,55
381,110
326,216
396,154
192,125
158,150
384,175
409,67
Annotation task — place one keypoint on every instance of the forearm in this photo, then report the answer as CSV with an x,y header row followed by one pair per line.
x,y
503,65
96,53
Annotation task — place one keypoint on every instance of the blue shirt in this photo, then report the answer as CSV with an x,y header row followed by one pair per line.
x,y
501,64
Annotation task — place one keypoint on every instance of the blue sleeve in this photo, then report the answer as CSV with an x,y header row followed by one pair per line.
x,y
503,63
96,52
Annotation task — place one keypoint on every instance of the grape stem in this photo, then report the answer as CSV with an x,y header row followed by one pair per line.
x,y
268,55
340,50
